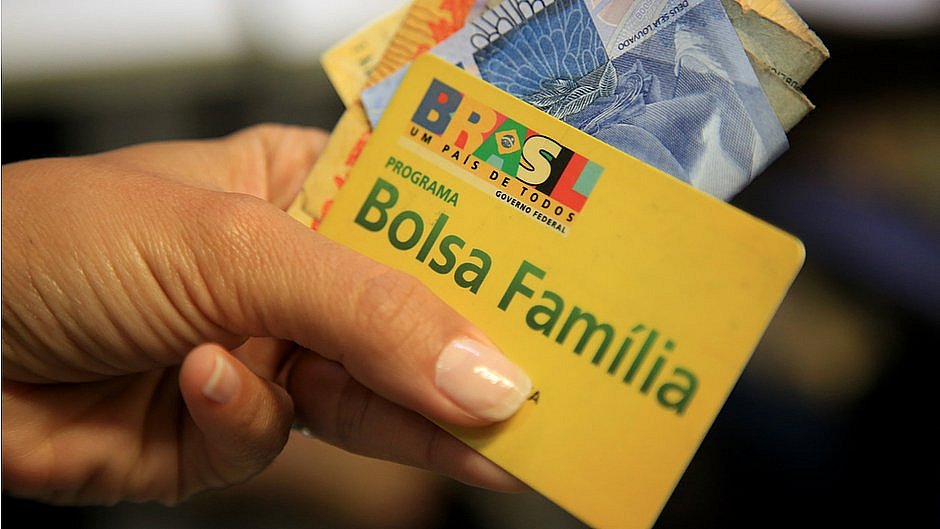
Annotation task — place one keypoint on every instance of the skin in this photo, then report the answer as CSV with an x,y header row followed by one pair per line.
x,y
128,275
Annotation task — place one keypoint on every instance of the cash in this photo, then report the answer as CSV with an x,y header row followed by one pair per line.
x,y
789,103
772,32
459,48
719,151
669,85
426,23
783,50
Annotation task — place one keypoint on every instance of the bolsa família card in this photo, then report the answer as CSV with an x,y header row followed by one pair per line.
x,y
631,299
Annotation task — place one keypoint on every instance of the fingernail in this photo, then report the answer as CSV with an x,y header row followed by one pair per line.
x,y
223,383
482,381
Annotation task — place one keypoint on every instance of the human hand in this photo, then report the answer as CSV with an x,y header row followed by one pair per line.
x,y
165,322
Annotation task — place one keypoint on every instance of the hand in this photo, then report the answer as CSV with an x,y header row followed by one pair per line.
x,y
165,323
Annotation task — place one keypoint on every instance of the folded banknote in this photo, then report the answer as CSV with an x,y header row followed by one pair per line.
x,y
457,48
666,81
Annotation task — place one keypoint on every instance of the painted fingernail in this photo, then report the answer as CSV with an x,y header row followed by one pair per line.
x,y
482,381
223,383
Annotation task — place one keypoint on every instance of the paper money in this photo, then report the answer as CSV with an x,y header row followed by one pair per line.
x,y
614,20
458,48
668,83
349,63
789,104
774,33
426,23
783,50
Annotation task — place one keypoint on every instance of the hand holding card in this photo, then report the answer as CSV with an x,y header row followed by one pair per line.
x,y
631,299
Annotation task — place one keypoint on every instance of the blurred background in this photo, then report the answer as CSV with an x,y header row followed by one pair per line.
x,y
834,422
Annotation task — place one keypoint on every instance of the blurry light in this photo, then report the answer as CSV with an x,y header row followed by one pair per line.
x,y
300,30
43,38
878,16
62,37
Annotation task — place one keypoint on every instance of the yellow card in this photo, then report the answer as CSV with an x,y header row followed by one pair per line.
x,y
328,175
632,300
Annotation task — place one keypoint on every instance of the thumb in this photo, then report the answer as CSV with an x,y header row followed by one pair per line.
x,y
278,278
243,421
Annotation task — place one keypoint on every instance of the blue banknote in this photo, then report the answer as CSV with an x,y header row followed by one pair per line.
x,y
611,17
681,94
666,81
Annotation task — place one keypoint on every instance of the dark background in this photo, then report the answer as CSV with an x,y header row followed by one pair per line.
x,y
834,420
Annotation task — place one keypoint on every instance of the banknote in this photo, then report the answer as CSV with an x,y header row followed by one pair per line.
x,y
789,103
668,82
773,32
458,48
426,23
609,17
783,50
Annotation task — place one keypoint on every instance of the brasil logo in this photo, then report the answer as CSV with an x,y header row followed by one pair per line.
x,y
529,171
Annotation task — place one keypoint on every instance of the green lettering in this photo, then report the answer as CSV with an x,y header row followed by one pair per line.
x,y
683,394
470,275
641,356
517,284
432,237
651,377
657,367
447,253
624,347
374,203
395,225
443,193
590,327
551,313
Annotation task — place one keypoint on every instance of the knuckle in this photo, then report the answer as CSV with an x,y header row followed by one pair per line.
x,y
234,237
257,136
227,248
233,221
398,306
